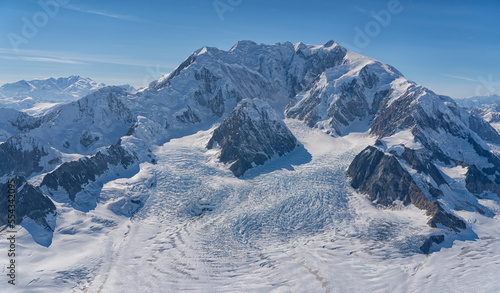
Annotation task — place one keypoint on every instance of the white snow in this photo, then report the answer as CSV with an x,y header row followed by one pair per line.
x,y
401,138
203,230
40,109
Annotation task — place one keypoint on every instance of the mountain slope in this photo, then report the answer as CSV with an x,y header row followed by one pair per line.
x,y
251,135
13,122
97,120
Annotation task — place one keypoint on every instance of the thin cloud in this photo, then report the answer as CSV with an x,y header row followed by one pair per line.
x,y
103,13
460,77
64,57
362,10
41,59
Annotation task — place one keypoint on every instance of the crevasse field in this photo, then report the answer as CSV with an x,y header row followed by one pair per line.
x,y
203,230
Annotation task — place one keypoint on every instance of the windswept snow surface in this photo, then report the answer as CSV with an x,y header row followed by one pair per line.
x,y
203,230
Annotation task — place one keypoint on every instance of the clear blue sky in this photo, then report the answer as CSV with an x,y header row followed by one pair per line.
x,y
450,46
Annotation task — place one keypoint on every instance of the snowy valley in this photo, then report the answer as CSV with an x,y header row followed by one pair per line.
x,y
264,168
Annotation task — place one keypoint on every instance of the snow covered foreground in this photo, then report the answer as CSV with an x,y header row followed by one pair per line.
x,y
203,230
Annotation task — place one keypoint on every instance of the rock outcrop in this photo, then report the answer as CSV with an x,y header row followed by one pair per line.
x,y
73,176
29,202
251,135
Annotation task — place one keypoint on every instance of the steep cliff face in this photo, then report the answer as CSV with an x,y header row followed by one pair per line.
x,y
251,135
442,132
74,176
487,112
33,210
29,202
13,122
22,155
386,182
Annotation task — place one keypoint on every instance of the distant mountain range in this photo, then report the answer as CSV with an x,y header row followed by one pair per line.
x,y
39,95
479,101
486,107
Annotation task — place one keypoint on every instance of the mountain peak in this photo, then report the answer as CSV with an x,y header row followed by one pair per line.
x,y
251,135
329,43
243,44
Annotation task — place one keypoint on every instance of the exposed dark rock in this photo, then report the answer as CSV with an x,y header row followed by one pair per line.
x,y
442,116
131,130
251,135
307,112
190,60
351,105
426,247
377,100
446,219
422,165
433,149
188,117
73,176
435,192
483,129
30,202
397,115
18,121
477,183
55,161
492,159
384,180
369,78
490,113
314,66
208,94
88,139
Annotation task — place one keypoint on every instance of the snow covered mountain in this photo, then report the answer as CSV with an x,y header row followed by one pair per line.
x,y
39,95
251,135
257,148
486,107
430,136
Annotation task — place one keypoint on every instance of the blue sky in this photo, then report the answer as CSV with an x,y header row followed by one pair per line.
x,y
450,46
